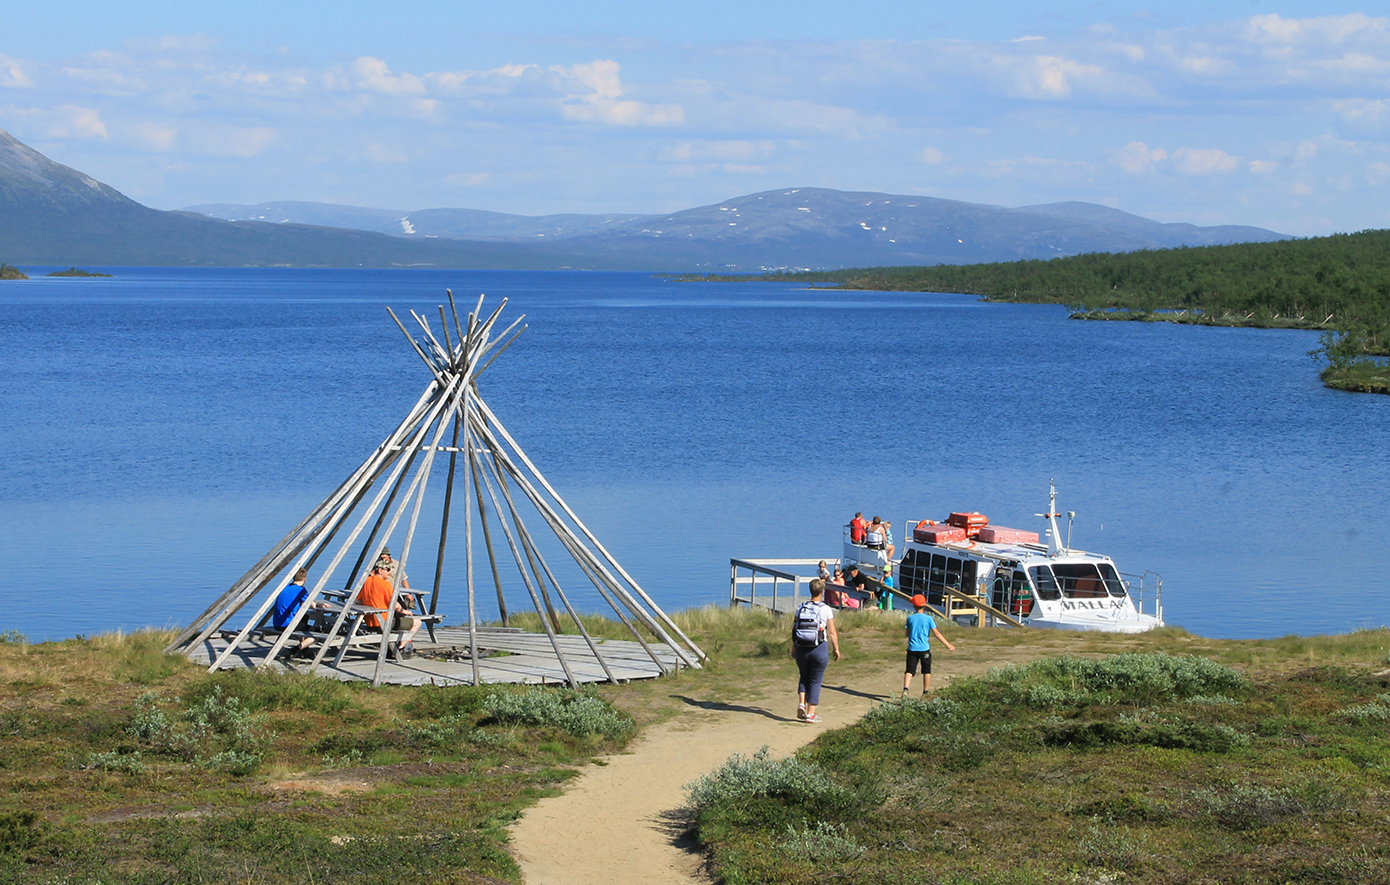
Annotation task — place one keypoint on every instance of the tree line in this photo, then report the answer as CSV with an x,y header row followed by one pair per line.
x,y
1339,284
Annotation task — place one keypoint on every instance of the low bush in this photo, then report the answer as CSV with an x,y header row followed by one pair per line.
x,y
760,776
819,842
1217,738
576,712
1240,806
1129,678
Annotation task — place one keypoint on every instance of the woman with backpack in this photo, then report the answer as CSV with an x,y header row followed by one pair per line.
x,y
812,626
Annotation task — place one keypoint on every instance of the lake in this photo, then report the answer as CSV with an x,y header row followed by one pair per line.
x,y
167,426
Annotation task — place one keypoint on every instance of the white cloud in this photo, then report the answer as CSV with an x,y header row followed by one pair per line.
x,y
602,103
373,75
1263,167
1377,173
719,150
1272,29
12,74
155,137
1300,189
931,155
467,179
1137,157
379,153
1305,151
68,121
1204,161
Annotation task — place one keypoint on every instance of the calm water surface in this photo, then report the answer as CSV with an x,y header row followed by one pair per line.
x,y
166,427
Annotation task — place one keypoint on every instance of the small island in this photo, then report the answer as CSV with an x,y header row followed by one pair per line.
x,y
77,272
10,272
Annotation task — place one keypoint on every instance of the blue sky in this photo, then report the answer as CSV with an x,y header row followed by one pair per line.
x,y
1272,114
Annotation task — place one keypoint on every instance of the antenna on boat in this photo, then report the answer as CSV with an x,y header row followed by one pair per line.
x,y
1071,515
1054,541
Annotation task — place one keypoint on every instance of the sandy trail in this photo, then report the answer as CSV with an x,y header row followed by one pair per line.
x,y
614,824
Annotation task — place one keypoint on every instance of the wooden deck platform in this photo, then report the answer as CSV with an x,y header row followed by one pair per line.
x,y
514,656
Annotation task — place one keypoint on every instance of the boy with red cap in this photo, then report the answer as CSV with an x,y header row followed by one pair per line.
x,y
920,627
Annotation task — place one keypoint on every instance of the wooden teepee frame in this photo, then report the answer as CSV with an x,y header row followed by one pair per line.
x,y
394,479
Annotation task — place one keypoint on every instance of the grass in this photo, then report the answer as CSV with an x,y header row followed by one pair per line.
x,y
1177,760
122,764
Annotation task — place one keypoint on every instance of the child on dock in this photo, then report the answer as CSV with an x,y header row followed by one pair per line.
x,y
920,627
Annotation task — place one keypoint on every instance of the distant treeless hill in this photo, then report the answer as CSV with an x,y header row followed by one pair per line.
x,y
789,228
51,214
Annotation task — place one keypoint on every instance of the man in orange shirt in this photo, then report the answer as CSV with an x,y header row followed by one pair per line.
x,y
376,593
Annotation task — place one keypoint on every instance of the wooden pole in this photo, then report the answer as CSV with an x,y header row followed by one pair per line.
x,y
493,422
525,579
491,556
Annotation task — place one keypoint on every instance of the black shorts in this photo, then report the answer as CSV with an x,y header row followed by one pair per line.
x,y
913,657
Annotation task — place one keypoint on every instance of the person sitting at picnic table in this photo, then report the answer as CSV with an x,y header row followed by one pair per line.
x,y
389,565
287,606
376,593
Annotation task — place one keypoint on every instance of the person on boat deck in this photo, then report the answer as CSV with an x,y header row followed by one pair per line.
x,y
878,537
822,572
920,627
376,593
287,606
856,529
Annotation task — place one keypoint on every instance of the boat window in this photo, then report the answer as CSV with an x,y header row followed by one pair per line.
x,y
967,579
1046,584
1112,580
912,573
1079,580
953,573
937,576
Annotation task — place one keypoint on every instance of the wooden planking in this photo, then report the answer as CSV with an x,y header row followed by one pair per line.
x,y
529,658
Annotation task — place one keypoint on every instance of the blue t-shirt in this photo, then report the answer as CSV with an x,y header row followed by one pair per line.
x,y
919,627
286,604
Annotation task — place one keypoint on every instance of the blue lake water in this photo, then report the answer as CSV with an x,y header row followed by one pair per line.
x,y
164,428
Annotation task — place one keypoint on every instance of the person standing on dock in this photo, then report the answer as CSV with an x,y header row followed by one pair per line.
x,y
920,627
813,637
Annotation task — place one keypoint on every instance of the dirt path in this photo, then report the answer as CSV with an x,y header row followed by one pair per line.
x,y
615,826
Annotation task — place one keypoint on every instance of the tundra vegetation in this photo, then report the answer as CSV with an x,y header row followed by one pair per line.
x,y
1338,285
1164,757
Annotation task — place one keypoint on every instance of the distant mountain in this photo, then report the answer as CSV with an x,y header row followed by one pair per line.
x,y
50,214
795,227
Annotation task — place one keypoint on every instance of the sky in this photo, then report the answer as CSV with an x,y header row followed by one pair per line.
x,y
1220,112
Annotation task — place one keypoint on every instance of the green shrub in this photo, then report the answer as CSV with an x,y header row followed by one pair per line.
x,y
130,763
1132,677
820,842
264,689
744,777
19,831
1238,806
217,731
1111,847
1219,738
13,637
575,712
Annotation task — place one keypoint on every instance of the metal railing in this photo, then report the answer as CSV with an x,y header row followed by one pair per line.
x,y
768,584
1145,589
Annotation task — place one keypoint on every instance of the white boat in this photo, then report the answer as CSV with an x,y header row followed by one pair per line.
x,y
1049,585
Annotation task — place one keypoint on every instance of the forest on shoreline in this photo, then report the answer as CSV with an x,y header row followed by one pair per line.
x,y
1339,285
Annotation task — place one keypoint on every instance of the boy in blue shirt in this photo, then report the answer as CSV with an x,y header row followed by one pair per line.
x,y
920,627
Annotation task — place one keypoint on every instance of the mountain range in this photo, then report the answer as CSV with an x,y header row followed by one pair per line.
x,y
51,214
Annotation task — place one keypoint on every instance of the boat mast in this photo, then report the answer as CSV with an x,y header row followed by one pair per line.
x,y
1054,541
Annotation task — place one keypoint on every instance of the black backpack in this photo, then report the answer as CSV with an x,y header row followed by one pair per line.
x,y
806,629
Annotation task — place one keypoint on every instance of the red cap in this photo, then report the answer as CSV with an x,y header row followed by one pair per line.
x,y
919,601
